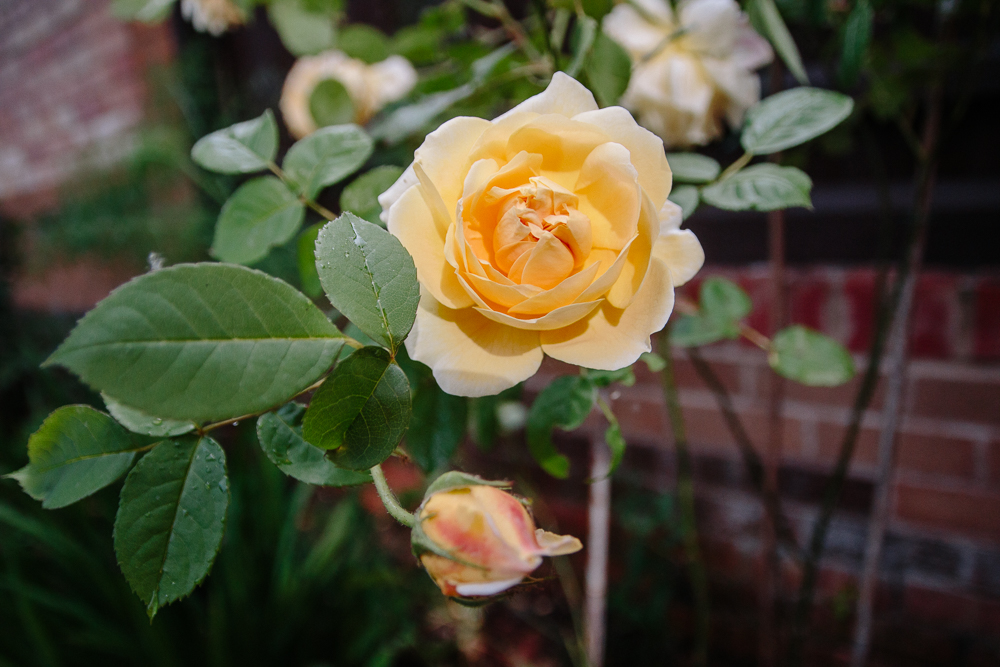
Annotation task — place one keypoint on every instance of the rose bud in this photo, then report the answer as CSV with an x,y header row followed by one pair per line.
x,y
475,539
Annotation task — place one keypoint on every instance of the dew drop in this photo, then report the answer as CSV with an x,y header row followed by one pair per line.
x,y
157,421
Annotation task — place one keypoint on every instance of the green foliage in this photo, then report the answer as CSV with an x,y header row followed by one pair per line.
x,y
623,376
360,197
75,452
242,148
306,258
327,156
484,424
438,424
331,104
857,36
138,421
262,214
793,117
370,277
196,329
693,167
280,436
685,196
762,187
722,305
809,357
147,11
171,519
303,30
363,42
654,362
608,70
361,411
565,403
616,443
766,20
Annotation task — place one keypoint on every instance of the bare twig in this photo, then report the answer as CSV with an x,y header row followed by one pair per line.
x,y
598,542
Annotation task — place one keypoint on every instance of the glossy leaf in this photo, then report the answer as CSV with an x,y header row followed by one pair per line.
x,y
360,197
766,19
303,32
565,403
361,411
608,70
793,117
685,196
369,277
261,214
809,357
201,342
138,421
75,452
280,436
857,37
437,426
692,167
327,156
242,148
171,518
762,187
331,104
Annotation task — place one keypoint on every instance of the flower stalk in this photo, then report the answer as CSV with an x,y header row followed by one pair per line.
x,y
388,498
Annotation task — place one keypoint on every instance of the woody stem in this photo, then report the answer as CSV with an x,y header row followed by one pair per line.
x,y
388,498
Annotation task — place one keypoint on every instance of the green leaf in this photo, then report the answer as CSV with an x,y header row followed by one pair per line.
x,y
762,187
147,11
369,277
585,32
654,362
242,148
138,421
280,436
361,411
723,300
437,425
363,42
171,518
809,357
311,286
327,156
302,32
766,19
410,119
75,452
262,214
694,330
685,196
693,167
608,70
360,197
331,104
623,376
793,117
201,342
857,37
565,403
616,443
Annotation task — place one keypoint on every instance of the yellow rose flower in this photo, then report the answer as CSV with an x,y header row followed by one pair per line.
x,y
370,87
212,16
545,231
691,69
484,541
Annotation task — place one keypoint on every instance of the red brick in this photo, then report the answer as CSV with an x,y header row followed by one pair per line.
x,y
933,309
967,400
70,288
939,607
843,395
807,301
972,513
993,461
759,290
986,335
859,290
830,437
936,455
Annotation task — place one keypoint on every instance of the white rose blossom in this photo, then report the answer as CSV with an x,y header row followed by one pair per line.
x,y
212,16
370,87
691,69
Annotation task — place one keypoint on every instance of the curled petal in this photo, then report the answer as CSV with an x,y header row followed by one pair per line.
x,y
682,254
556,319
564,96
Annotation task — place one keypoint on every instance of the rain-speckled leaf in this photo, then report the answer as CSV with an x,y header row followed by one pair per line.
x,y
809,357
370,277
692,167
242,148
75,452
201,342
362,410
762,187
793,117
138,421
327,156
262,214
171,518
280,436
565,403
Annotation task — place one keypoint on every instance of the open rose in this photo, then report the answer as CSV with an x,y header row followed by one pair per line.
x,y
545,231
478,540
691,70
370,87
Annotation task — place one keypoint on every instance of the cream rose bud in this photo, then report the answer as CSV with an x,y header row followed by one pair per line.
x,y
692,69
370,87
478,540
545,231
212,16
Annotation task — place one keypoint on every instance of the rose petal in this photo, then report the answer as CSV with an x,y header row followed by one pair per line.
x,y
637,261
564,144
502,295
548,264
636,35
562,294
444,155
391,80
610,195
671,216
557,319
564,95
711,26
682,254
469,354
611,338
405,181
556,545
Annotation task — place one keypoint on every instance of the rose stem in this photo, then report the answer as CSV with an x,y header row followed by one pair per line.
x,y
388,499
685,497
599,517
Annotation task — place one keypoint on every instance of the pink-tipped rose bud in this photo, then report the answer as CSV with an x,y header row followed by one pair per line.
x,y
475,539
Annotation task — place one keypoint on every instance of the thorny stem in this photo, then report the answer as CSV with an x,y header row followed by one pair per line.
x,y
388,498
685,497
925,180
